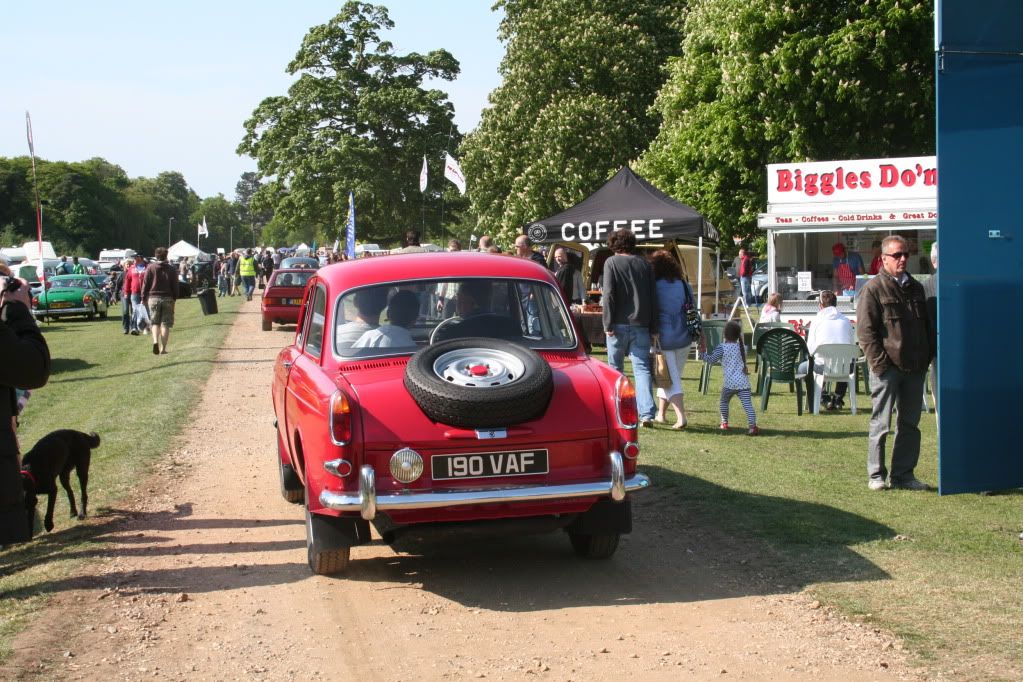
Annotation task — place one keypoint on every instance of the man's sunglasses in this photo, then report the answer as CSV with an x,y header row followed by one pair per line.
x,y
898,255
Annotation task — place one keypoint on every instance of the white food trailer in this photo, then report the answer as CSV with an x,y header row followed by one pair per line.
x,y
813,206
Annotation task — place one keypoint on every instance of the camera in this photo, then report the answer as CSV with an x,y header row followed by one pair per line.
x,y
9,284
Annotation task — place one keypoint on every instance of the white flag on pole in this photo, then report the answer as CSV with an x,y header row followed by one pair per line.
x,y
203,231
422,176
453,172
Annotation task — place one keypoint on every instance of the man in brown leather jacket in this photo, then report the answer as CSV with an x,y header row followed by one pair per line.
x,y
24,363
895,334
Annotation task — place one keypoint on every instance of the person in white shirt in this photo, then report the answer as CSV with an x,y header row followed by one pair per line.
x,y
402,311
830,326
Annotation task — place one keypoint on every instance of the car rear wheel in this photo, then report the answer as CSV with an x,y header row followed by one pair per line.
x,y
327,547
594,546
479,382
267,325
91,315
291,486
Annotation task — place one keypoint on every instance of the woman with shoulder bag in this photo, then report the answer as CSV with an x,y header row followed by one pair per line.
x,y
673,294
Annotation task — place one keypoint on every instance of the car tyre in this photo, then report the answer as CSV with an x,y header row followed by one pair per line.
x,y
267,325
594,546
328,550
291,485
518,397
90,316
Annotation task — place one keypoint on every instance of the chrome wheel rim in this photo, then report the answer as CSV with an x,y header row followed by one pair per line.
x,y
479,367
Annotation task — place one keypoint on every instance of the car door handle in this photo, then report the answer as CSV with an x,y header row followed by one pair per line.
x,y
286,364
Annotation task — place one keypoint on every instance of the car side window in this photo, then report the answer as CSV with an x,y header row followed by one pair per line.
x,y
314,335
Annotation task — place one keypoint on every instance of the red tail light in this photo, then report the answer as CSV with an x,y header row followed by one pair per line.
x,y
625,404
340,419
86,298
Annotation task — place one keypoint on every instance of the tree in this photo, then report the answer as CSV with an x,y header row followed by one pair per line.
x,y
356,119
771,81
578,79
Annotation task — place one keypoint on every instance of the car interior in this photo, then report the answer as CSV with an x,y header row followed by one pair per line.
x,y
402,317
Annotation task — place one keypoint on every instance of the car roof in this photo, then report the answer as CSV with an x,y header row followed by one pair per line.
x,y
443,265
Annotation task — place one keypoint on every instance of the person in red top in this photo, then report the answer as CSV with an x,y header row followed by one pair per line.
x,y
746,276
875,263
132,295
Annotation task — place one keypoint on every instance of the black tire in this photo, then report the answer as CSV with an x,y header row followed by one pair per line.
x,y
90,316
594,546
267,325
521,399
291,486
327,548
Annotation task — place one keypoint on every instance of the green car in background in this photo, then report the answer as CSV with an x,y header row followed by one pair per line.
x,y
66,295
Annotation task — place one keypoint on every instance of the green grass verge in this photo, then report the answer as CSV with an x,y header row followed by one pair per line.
x,y
137,402
943,572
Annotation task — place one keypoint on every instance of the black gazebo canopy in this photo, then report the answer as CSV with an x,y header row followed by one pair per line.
x,y
625,201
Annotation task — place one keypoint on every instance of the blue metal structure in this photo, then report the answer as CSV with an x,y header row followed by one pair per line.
x,y
979,61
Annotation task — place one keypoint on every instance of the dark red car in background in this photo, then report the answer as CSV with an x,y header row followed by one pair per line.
x,y
449,392
282,296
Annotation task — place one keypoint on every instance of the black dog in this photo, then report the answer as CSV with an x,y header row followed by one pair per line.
x,y
56,455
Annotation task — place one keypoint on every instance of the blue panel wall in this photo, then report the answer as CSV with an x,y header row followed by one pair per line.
x,y
980,236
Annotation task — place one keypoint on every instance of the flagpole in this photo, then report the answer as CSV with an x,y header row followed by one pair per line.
x,y
35,190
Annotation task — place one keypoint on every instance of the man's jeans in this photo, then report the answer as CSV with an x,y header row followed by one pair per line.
x,y
127,322
634,341
905,391
746,284
250,285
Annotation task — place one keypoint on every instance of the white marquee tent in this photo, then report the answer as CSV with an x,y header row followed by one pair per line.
x,y
185,250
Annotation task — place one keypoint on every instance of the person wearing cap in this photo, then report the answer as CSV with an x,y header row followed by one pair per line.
x,y
845,266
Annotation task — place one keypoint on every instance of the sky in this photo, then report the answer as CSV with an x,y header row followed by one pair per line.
x,y
166,85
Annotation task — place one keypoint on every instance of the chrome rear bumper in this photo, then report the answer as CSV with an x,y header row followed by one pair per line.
x,y
367,501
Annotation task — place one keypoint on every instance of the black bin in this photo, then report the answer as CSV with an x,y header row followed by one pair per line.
x,y
208,301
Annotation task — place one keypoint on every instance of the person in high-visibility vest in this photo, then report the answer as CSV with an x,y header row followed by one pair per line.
x,y
247,268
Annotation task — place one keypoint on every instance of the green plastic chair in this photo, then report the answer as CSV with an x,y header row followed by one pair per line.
x,y
758,331
782,351
713,332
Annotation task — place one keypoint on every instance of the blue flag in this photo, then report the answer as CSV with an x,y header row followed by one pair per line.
x,y
350,227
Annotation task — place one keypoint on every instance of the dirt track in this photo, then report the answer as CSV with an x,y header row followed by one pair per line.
x,y
207,580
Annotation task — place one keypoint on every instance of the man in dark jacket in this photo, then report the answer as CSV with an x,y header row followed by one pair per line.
x,y
24,363
159,291
895,334
630,315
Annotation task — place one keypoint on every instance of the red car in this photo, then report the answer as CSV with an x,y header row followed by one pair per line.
x,y
282,296
449,392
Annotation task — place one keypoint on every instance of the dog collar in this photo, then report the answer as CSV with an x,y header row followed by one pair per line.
x,y
25,472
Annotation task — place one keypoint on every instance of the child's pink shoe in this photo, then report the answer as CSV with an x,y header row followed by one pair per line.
x,y
753,431
724,426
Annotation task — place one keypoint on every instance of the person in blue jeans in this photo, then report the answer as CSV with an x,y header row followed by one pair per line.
x,y
629,299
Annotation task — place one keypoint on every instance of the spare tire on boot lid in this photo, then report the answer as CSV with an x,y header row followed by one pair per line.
x,y
479,382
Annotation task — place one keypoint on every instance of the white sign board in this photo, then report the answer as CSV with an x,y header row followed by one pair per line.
x,y
826,182
804,281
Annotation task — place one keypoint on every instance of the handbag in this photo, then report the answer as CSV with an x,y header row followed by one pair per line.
x,y
692,316
662,377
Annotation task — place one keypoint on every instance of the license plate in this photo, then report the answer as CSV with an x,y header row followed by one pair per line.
x,y
291,301
61,304
489,464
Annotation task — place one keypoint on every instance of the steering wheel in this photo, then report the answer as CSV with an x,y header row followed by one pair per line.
x,y
458,320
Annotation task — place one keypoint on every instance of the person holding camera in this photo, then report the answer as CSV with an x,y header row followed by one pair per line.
x,y
24,364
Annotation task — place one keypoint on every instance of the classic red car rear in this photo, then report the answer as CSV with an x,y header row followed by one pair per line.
x,y
282,296
449,392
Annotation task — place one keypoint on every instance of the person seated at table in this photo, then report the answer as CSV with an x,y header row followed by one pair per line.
x,y
772,309
475,317
829,326
402,311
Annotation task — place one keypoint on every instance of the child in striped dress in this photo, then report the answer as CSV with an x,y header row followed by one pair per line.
x,y
731,353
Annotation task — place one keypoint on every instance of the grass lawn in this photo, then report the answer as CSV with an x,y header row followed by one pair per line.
x,y
137,402
945,573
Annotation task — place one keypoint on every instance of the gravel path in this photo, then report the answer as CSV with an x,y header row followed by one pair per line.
x,y
207,580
